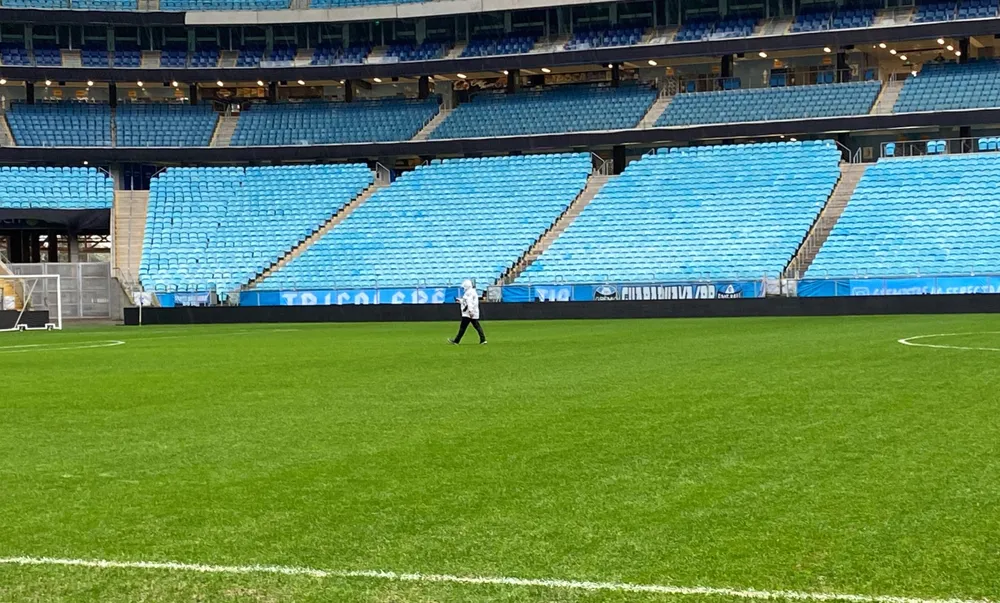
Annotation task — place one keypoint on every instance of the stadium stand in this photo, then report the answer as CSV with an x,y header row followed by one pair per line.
x,y
766,104
563,109
343,3
598,38
718,212
36,3
932,215
425,51
942,86
935,11
48,56
481,47
63,188
325,54
978,9
250,57
14,54
325,123
282,54
128,58
822,20
71,124
94,57
441,223
205,57
220,227
710,29
164,125
185,5
105,4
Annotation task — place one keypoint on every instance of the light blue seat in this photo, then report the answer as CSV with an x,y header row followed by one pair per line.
x,y
718,213
164,125
62,188
442,223
62,124
950,86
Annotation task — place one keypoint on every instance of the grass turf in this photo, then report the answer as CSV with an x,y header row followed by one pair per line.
x,y
779,454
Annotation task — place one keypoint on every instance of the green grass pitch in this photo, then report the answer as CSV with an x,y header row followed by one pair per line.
x,y
800,454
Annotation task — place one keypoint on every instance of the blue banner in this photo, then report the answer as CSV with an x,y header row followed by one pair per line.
x,y
632,291
341,297
860,287
171,300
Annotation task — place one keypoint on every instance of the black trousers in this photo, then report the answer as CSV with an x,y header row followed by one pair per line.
x,y
465,325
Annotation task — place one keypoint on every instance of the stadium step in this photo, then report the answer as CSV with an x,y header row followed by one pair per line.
x,y
128,230
6,136
850,175
228,58
71,58
425,132
457,50
150,59
594,184
320,232
887,97
299,4
225,127
775,26
655,111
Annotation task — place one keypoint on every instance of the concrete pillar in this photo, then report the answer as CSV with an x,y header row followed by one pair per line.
x,y
113,94
963,46
513,80
74,247
615,74
423,87
726,67
348,91
843,70
193,94
29,92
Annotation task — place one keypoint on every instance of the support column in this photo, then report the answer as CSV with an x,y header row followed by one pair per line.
x,y
843,71
113,94
423,87
193,94
29,93
74,247
513,80
615,74
963,46
53,243
965,132
36,247
726,68
348,91
618,159
272,93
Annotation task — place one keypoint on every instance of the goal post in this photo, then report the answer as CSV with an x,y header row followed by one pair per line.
x,y
23,293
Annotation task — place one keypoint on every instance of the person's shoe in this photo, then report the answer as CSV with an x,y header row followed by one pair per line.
x,y
452,342
483,342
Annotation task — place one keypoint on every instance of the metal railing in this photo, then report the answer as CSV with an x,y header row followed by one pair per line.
x,y
939,146
601,166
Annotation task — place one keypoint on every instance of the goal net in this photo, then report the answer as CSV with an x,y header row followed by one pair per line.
x,y
22,296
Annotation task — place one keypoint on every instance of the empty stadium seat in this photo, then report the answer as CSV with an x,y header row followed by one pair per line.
x,y
822,20
766,104
604,37
978,9
36,3
713,29
185,5
94,57
932,215
14,54
205,57
47,56
218,228
326,54
935,11
442,223
324,123
250,57
425,51
164,125
347,3
105,4
943,86
481,47
552,110
63,188
718,213
128,57
68,124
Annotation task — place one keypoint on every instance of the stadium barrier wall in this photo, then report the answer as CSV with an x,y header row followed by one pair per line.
x,y
935,285
692,308
35,319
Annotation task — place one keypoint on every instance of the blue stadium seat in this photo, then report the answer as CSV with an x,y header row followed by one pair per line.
x,y
326,54
349,3
64,124
164,125
508,44
425,51
130,58
105,4
94,57
48,56
767,104
14,54
604,37
63,188
928,12
944,86
204,57
219,227
827,19
931,215
719,212
325,123
562,109
441,223
713,29
250,57
186,5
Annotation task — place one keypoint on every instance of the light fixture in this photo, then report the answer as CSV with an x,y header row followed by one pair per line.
x,y
260,82
90,82
3,81
377,80
941,41
902,57
174,84
913,73
610,66
881,45
546,70
302,83
958,53
950,47
893,51
651,62
219,84
762,54
48,82
827,49
505,72
342,82
139,83
85,162
793,139
461,76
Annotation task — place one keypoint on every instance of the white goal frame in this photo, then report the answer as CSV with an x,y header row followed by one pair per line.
x,y
28,282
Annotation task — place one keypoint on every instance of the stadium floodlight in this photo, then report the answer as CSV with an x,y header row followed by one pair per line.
x,y
174,84
260,82
958,53
762,54
827,49
461,76
914,73
892,51
3,81
378,80
902,57
219,84
940,41
85,162
651,62
24,292
301,82
90,82
48,82
881,45
949,47
139,83
546,70
505,72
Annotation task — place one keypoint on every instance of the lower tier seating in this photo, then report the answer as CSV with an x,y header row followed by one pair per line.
x,y
220,227
441,223
564,109
719,212
942,86
934,215
163,125
65,124
325,123
768,104
55,188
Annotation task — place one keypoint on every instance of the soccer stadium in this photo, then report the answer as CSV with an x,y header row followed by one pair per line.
x,y
499,300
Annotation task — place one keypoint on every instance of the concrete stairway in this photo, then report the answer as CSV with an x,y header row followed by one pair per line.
x,y
594,184
71,58
655,111
6,136
326,227
150,59
425,132
850,175
224,130
129,228
775,26
228,58
456,51
887,97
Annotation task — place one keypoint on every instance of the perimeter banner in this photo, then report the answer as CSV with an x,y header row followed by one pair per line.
x,y
632,291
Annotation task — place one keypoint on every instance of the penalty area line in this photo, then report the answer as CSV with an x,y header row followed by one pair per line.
x,y
910,341
662,589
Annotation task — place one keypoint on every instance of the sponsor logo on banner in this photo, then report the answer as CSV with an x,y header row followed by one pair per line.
x,y
605,293
551,294
730,292
661,292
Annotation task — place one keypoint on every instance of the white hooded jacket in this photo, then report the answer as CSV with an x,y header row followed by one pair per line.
x,y
470,301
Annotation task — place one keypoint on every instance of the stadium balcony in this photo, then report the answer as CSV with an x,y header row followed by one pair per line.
x,y
929,215
769,104
563,109
823,20
250,57
442,223
130,58
482,47
58,188
978,9
164,125
949,86
327,123
935,11
66,124
326,54
426,51
206,57
47,56
604,38
218,228
711,29
94,57
718,212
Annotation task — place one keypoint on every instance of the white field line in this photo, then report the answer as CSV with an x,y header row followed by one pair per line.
x,y
55,347
909,341
661,589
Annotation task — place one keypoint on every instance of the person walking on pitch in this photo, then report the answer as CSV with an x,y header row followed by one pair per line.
x,y
470,313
